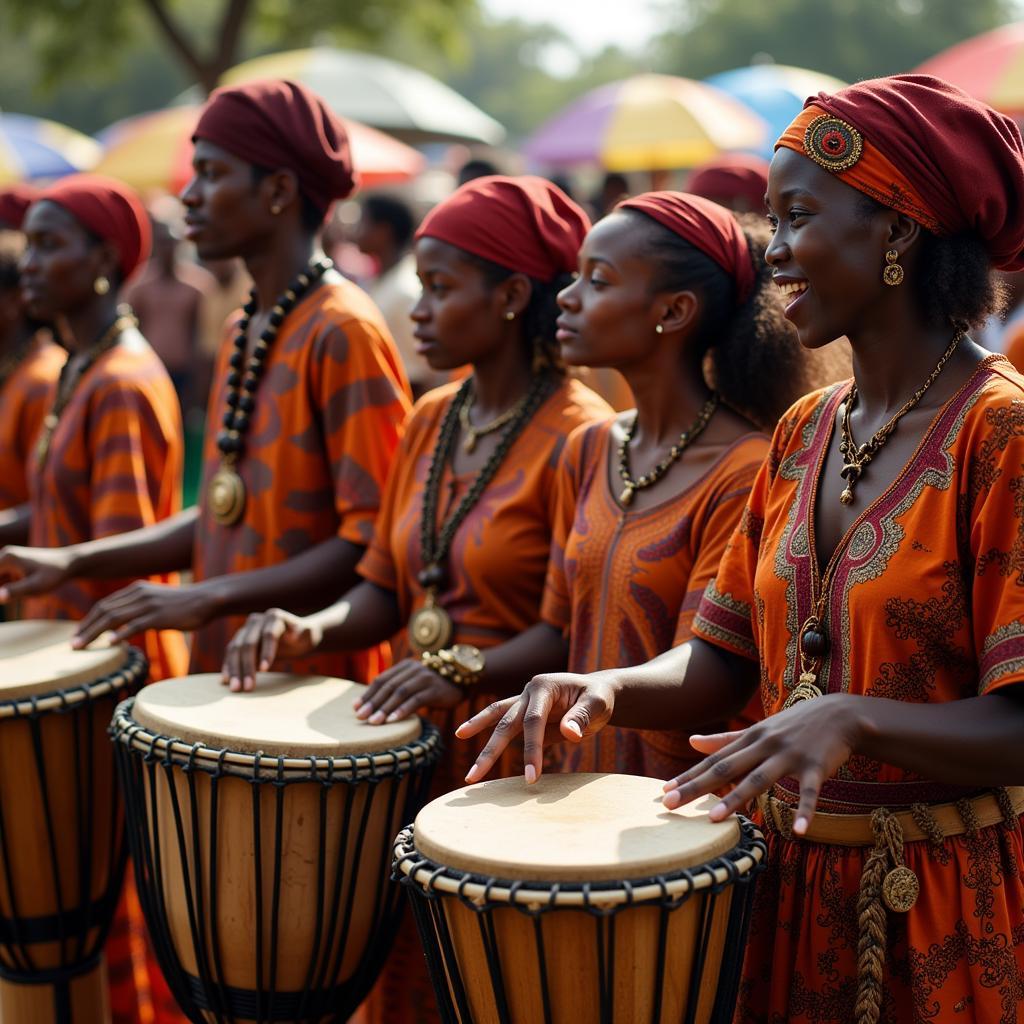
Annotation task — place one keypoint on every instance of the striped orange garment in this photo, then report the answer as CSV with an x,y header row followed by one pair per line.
x,y
926,606
496,578
24,402
329,414
624,585
115,465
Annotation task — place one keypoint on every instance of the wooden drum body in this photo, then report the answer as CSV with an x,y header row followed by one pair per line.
x,y
62,843
261,827
579,900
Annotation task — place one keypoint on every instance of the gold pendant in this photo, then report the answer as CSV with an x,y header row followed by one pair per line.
x,y
431,627
226,495
846,497
900,889
805,689
626,497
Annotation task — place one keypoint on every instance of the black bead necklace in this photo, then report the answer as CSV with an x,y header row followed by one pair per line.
x,y
431,627
226,491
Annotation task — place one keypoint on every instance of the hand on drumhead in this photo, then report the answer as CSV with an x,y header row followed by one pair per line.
x,y
551,708
28,571
143,605
404,688
808,742
265,637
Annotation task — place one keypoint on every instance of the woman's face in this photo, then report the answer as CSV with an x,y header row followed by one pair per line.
x,y
459,317
610,312
60,264
827,252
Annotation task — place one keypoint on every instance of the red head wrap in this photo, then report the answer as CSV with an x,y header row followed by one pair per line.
x,y
14,203
110,210
732,176
526,224
280,124
705,225
923,146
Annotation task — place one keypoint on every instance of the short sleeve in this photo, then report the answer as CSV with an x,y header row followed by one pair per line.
x,y
996,531
365,400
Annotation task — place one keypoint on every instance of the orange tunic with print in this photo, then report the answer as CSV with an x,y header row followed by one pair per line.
x,y
624,585
114,465
496,571
25,400
329,413
926,606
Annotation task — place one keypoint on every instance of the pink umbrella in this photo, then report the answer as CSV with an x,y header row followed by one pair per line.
x,y
154,151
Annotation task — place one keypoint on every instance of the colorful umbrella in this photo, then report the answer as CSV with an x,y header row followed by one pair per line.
x,y
154,151
396,98
775,92
990,67
32,148
647,122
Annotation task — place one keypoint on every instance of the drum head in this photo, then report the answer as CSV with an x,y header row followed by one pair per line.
x,y
570,828
36,659
285,716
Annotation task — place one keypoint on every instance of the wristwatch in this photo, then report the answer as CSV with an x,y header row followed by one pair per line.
x,y
461,664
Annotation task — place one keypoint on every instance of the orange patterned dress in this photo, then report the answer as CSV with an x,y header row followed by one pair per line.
x,y
25,399
115,465
624,585
497,565
329,414
926,606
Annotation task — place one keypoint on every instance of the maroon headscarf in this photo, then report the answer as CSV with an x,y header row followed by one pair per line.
x,y
14,203
526,224
276,123
110,210
963,159
705,225
732,176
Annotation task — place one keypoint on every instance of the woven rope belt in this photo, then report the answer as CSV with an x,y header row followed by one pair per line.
x,y
886,882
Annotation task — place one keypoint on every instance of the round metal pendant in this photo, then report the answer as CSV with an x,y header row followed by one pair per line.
x,y
833,144
800,692
900,889
430,629
226,495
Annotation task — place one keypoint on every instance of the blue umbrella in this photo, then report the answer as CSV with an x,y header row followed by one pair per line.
x,y
32,148
776,92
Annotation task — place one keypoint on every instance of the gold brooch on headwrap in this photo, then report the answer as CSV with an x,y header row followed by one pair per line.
x,y
832,143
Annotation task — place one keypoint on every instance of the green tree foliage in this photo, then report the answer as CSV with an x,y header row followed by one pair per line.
x,y
851,39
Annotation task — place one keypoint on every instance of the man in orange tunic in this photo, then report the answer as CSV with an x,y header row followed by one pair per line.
x,y
313,391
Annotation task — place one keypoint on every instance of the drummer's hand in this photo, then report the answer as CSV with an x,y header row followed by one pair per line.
x,y
808,741
27,571
141,606
265,637
551,708
398,692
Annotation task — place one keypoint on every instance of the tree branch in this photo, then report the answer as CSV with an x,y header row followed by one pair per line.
x,y
180,44
229,35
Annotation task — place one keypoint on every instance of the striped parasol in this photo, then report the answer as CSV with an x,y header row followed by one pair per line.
x,y
35,149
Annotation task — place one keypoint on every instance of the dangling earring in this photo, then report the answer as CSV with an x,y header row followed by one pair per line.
x,y
892,275
275,209
101,286
510,315
659,329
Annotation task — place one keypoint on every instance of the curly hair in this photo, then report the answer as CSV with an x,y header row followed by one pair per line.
x,y
538,318
953,283
751,354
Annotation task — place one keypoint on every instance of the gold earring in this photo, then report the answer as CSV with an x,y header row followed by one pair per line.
x,y
510,315
275,209
892,275
101,286
659,329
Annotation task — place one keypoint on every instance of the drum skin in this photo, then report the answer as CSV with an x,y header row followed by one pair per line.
x,y
264,876
551,915
62,846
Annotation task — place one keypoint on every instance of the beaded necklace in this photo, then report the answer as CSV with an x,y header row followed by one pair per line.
x,y
431,627
71,375
226,491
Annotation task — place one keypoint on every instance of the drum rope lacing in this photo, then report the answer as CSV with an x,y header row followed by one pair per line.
x,y
70,926
321,993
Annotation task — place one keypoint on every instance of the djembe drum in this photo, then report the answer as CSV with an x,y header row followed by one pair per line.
x,y
261,827
579,900
62,845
